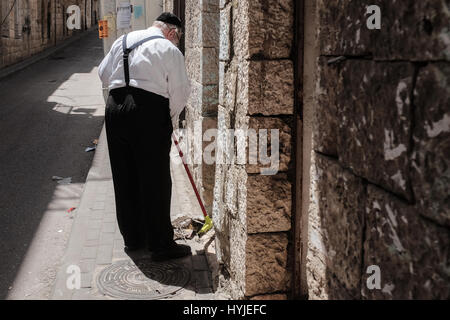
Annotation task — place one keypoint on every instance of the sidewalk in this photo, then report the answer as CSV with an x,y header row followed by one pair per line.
x,y
96,247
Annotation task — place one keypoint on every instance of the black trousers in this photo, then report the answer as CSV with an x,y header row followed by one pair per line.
x,y
138,129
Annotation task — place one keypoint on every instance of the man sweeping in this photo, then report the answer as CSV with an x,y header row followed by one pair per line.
x,y
148,87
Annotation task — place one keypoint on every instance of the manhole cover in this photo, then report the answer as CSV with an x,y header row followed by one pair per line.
x,y
143,279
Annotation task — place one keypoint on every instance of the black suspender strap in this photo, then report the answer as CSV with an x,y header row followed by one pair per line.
x,y
126,67
126,52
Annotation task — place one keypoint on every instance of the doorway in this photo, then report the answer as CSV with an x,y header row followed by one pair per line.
x,y
179,11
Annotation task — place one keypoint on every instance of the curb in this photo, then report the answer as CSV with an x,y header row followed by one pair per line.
x,y
96,171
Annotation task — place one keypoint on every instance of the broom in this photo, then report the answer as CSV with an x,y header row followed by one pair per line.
x,y
208,222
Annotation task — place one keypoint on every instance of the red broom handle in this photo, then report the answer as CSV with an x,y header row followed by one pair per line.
x,y
190,176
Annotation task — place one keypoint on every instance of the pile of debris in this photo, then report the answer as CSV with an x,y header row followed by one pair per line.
x,y
186,228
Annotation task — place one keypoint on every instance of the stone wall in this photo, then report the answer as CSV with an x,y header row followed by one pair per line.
x,y
252,212
30,27
168,6
372,172
380,168
201,46
202,64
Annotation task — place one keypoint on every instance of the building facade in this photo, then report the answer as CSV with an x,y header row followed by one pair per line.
x,y
376,107
358,207
30,26
142,15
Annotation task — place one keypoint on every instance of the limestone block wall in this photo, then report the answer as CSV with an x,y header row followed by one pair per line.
x,y
202,64
168,5
380,168
252,212
30,27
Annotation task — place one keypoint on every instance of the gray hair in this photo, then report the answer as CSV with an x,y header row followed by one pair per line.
x,y
164,26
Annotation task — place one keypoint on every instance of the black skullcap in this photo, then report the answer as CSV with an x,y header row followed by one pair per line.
x,y
170,18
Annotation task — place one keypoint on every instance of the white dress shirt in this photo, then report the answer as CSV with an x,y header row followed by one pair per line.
x,y
156,66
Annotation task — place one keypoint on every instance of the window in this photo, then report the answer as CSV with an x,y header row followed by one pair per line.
x,y
17,20
5,16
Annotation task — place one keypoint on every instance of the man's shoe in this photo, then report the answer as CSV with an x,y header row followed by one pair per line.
x,y
173,251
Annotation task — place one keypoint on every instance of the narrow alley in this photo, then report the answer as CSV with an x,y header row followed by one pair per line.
x,y
50,226
315,140
50,112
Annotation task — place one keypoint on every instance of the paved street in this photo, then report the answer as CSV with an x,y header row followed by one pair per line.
x,y
49,113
